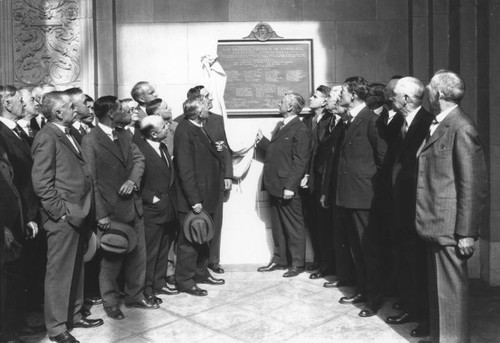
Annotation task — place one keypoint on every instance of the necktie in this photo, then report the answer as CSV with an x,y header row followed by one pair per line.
x,y
164,152
43,122
404,129
71,139
315,122
205,133
83,132
22,135
349,120
279,126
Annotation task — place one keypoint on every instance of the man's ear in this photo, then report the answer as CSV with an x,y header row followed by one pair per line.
x,y
58,114
7,104
111,114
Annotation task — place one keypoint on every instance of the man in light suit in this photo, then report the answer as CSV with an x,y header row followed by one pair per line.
x,y
362,153
117,166
286,157
200,183
452,189
401,162
62,180
158,200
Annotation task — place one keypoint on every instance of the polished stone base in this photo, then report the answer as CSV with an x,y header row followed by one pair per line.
x,y
265,307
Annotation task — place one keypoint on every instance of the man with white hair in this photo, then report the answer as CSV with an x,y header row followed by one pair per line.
x,y
452,188
143,93
410,261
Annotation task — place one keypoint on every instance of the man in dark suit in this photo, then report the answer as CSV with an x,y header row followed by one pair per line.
x,y
117,166
158,199
214,126
286,157
11,226
62,180
26,280
317,218
410,261
362,153
344,265
452,189
200,184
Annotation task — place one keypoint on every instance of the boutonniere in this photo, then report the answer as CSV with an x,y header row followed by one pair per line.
x,y
220,145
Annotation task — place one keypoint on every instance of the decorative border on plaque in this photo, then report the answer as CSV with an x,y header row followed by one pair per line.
x,y
262,32
46,42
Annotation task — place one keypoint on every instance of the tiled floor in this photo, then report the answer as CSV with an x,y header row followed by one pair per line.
x,y
265,307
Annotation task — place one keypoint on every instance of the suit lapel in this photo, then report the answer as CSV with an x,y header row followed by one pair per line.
x,y
354,125
16,141
109,145
286,128
203,138
64,139
440,130
151,154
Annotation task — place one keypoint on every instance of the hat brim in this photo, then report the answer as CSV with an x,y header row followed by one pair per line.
x,y
203,215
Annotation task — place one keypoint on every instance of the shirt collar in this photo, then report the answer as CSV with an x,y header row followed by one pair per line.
x,y
77,124
440,117
355,110
288,119
63,128
195,123
155,145
9,123
23,122
409,118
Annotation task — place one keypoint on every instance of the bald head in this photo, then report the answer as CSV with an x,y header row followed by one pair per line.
x,y
154,128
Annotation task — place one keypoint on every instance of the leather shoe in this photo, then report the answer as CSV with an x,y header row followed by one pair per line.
x,y
85,312
312,266
270,267
170,280
114,312
196,291
369,311
167,291
337,283
422,330
216,268
212,281
64,337
93,301
153,299
144,304
320,274
402,318
355,299
86,323
293,271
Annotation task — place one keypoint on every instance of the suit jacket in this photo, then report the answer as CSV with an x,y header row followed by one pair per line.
x,y
199,168
319,154
10,201
214,126
111,166
286,158
19,154
157,181
403,168
61,177
452,182
332,148
362,154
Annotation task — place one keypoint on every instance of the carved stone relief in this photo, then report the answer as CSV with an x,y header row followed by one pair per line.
x,y
46,42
